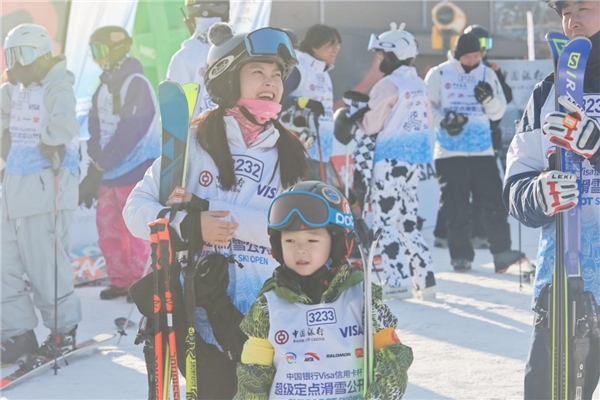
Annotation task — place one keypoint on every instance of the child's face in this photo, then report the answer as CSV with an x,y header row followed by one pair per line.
x,y
306,251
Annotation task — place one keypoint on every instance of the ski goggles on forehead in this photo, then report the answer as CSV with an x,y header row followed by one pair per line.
x,y
99,50
312,210
270,42
486,43
23,55
376,44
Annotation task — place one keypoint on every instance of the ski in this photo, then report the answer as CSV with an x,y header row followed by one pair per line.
x,y
33,364
176,105
568,321
368,352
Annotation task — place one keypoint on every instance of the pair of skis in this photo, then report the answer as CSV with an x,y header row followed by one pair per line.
x,y
176,106
572,311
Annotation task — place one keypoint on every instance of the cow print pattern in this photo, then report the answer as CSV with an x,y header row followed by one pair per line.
x,y
404,252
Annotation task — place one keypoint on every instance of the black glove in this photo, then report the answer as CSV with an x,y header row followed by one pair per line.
x,y
357,104
210,284
483,92
88,188
54,154
454,122
316,107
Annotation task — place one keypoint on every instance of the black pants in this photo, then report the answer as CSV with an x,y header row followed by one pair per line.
x,y
537,370
477,226
459,178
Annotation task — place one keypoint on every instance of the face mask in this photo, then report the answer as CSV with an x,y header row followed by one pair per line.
x,y
23,74
262,110
469,69
202,24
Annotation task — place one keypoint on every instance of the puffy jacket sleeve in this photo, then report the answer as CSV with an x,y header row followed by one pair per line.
x,y
142,206
256,371
433,80
5,105
59,101
496,107
391,362
383,98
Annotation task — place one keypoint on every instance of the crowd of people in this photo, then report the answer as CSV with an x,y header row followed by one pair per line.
x,y
267,198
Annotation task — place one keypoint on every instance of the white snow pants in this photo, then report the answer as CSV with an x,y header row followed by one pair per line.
x,y
28,246
404,252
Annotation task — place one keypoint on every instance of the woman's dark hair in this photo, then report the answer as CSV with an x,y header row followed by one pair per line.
x,y
318,35
211,136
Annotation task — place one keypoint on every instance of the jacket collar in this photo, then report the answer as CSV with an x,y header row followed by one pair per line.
x,y
317,65
265,140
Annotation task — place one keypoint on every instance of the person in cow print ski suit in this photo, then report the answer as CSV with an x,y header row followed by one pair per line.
x,y
398,114
187,65
39,194
312,308
239,159
124,141
465,96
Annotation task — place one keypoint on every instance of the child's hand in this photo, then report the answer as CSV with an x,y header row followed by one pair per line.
x,y
215,230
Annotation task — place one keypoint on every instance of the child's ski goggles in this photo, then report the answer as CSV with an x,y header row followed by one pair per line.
x,y
23,55
99,50
486,43
310,208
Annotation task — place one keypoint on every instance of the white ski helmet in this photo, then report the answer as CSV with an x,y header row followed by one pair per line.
x,y
26,43
397,41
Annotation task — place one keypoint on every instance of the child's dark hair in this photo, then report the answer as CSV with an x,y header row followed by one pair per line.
x,y
211,136
318,35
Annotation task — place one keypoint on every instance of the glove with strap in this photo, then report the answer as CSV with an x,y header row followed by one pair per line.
x,y
316,107
357,104
54,154
88,188
574,130
484,92
556,191
210,284
454,122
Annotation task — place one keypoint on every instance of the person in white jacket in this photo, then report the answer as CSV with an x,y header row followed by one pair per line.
x,y
465,96
399,115
188,64
240,158
39,195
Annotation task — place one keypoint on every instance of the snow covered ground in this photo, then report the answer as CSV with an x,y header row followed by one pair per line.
x,y
469,343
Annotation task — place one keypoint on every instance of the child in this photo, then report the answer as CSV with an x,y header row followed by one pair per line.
x,y
307,321
398,114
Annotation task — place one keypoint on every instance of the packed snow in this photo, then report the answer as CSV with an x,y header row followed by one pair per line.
x,y
469,343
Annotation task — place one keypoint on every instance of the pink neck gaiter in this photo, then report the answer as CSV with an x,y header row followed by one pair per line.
x,y
262,111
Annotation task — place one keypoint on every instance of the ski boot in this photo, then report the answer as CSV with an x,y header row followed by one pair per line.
x,y
58,343
16,346
112,292
505,259
461,265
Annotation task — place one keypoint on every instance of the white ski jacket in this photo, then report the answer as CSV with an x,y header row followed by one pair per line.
x,y
258,182
451,89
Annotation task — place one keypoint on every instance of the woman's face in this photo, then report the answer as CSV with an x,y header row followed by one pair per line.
x,y
328,52
261,80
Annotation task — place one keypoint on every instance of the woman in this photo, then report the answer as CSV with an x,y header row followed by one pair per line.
x,y
239,159
309,95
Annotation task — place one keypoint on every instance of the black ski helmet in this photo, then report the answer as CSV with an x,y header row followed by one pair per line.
x,y
208,9
555,5
477,30
230,51
111,43
312,205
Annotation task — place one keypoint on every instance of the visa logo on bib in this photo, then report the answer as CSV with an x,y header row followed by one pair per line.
x,y
352,330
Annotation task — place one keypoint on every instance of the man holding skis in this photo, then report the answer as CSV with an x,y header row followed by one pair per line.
x,y
534,193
